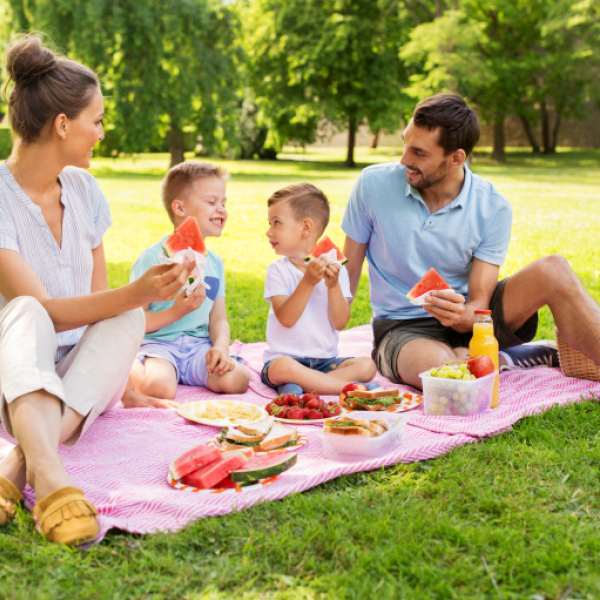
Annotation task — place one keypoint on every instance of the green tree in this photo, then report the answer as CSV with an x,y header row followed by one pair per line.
x,y
167,66
531,58
326,59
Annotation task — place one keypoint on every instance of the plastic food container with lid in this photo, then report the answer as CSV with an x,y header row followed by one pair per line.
x,y
457,397
355,448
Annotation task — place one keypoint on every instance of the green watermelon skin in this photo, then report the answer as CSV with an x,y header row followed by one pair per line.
x,y
432,280
187,235
324,246
262,467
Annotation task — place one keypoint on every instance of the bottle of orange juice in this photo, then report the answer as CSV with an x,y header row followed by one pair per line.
x,y
484,343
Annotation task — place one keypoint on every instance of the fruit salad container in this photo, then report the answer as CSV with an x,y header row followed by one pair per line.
x,y
457,397
352,448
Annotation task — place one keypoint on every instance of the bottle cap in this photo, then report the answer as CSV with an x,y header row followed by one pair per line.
x,y
483,312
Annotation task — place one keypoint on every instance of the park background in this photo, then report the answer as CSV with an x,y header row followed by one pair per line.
x,y
282,92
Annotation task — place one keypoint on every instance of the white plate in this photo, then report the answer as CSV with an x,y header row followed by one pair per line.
x,y
301,441
222,413
175,483
408,402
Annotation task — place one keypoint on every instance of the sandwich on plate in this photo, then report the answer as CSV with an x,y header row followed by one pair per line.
x,y
261,437
371,400
358,427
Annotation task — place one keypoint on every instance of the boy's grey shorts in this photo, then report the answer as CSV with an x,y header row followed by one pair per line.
x,y
390,335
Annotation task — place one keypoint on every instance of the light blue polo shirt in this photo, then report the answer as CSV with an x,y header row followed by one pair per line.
x,y
405,240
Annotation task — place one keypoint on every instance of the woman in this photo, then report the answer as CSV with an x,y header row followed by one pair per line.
x,y
67,342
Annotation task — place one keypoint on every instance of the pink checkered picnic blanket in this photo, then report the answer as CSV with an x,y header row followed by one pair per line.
x,y
122,461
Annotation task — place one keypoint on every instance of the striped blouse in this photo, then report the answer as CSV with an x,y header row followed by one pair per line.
x,y
64,271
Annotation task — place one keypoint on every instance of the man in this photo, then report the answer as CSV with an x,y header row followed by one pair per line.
x,y
429,210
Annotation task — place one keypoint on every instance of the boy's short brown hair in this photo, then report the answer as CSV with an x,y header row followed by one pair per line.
x,y
306,201
182,176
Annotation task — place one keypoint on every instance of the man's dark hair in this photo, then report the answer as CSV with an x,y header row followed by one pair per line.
x,y
457,121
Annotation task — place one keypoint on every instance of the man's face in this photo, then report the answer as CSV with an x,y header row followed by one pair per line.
x,y
424,159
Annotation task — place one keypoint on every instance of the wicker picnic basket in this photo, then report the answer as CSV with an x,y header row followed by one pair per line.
x,y
575,364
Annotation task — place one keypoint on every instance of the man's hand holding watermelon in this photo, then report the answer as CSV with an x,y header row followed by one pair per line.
x,y
446,306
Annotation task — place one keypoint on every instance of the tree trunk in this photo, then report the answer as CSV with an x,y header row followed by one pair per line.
x,y
375,140
176,148
535,147
555,130
498,147
349,162
546,141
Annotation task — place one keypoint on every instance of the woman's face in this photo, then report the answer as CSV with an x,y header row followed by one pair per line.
x,y
84,132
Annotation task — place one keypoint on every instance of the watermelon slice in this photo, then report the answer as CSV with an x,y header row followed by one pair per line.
x,y
187,235
432,280
323,247
261,467
207,476
192,460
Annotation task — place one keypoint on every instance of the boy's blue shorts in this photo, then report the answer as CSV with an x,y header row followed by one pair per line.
x,y
324,365
187,354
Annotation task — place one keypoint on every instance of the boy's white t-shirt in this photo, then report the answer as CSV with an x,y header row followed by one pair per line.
x,y
313,335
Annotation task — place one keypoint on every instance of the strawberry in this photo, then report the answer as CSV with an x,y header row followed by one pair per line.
x,y
314,414
283,412
334,409
293,400
313,403
326,413
313,394
274,409
305,412
296,414
281,400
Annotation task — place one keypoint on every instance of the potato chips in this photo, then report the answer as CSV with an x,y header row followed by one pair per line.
x,y
222,412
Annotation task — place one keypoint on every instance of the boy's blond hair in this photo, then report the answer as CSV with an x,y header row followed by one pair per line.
x,y
306,201
181,177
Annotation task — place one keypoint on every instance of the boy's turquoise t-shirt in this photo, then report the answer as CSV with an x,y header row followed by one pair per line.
x,y
196,322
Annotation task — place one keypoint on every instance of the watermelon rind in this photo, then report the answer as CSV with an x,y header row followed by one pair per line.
x,y
324,246
187,235
262,467
432,280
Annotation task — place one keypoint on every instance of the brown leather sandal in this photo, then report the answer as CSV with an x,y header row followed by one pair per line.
x,y
9,496
66,517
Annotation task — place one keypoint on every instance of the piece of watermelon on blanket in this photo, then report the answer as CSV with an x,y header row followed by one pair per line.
x,y
432,280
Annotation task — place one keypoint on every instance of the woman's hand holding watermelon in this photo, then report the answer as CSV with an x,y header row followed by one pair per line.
x,y
446,306
162,282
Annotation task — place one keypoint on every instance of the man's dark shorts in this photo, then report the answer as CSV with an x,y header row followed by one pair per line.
x,y
390,335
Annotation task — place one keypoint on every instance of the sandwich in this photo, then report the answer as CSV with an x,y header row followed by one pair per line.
x,y
261,437
358,427
371,400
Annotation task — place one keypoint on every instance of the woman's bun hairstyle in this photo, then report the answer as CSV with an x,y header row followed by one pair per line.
x,y
45,85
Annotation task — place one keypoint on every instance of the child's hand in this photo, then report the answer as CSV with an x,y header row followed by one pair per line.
x,y
315,271
332,273
186,304
162,282
218,361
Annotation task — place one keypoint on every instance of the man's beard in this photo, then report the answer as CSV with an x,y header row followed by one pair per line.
x,y
426,182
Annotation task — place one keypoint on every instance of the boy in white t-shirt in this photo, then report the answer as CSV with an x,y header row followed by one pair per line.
x,y
310,302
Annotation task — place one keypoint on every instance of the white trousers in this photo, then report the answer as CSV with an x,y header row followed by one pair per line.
x,y
90,379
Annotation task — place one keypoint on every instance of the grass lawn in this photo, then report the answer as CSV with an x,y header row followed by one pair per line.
x,y
516,516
